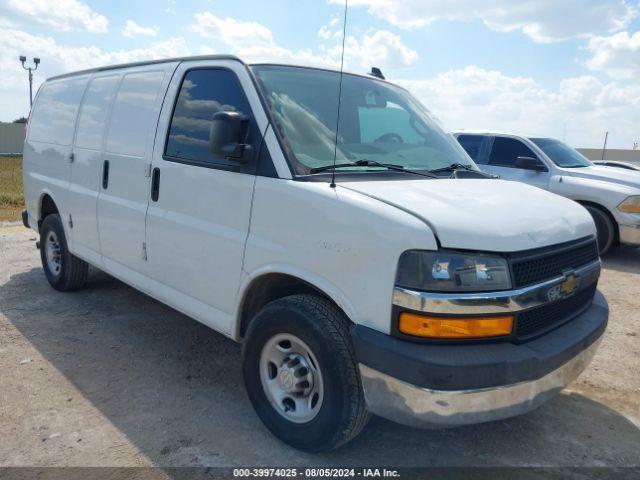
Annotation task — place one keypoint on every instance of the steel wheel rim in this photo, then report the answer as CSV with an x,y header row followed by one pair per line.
x,y
291,378
53,253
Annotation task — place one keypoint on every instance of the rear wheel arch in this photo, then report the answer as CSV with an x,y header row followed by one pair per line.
x,y
46,206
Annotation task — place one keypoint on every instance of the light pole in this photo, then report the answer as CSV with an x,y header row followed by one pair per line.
x,y
36,61
604,147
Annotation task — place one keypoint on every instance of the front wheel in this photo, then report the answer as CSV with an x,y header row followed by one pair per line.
x,y
63,270
604,226
301,374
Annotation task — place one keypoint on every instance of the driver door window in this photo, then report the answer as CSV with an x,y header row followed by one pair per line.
x,y
506,151
203,93
475,147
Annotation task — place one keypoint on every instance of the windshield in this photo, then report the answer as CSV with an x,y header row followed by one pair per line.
x,y
378,122
561,154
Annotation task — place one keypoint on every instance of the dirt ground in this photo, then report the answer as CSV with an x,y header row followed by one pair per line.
x,y
109,377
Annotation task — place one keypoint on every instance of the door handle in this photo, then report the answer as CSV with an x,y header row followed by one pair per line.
x,y
105,174
155,184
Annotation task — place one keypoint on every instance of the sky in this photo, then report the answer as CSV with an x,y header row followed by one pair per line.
x,y
568,69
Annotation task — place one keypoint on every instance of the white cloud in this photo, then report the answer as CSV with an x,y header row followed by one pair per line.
x,y
277,54
617,55
381,49
332,30
231,31
470,97
583,106
325,33
132,29
61,59
542,20
63,15
254,42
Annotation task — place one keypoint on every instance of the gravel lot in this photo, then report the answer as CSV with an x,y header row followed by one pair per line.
x,y
109,377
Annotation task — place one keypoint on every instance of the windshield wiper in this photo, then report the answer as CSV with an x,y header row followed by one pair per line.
x,y
453,167
371,163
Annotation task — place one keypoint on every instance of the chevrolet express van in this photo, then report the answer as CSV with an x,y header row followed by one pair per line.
x,y
372,270
610,194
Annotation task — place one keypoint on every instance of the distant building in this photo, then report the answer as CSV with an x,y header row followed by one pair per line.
x,y
11,137
611,154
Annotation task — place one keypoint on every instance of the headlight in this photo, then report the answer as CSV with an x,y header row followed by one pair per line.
x,y
444,271
630,205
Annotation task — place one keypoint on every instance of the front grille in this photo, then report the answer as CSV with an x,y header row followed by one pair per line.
x,y
542,319
544,264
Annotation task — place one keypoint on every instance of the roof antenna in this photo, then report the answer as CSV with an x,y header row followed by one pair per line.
x,y
376,72
335,143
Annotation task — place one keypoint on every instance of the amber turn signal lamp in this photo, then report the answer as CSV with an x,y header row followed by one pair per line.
x,y
630,208
455,327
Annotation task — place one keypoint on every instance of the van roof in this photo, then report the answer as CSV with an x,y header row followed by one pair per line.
x,y
146,62
203,57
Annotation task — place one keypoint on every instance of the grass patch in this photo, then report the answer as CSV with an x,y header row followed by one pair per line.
x,y
11,194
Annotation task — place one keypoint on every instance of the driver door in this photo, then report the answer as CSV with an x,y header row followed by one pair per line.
x,y
502,161
200,203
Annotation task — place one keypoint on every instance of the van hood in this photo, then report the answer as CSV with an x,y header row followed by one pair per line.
x,y
630,178
489,215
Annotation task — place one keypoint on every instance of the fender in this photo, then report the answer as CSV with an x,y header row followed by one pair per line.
x,y
320,283
606,194
41,195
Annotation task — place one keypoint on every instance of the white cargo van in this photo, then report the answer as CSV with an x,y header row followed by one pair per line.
x,y
610,194
381,274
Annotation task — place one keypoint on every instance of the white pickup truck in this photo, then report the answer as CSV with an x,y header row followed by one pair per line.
x,y
384,274
610,194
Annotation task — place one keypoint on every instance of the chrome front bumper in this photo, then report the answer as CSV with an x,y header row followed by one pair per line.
x,y
630,234
510,301
408,404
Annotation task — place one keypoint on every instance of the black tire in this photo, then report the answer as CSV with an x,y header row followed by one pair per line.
x,y
605,228
324,328
72,272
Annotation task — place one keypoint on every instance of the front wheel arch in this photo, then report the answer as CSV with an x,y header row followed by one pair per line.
x,y
605,211
269,287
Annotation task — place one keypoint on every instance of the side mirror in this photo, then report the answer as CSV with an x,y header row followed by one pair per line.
x,y
228,136
530,163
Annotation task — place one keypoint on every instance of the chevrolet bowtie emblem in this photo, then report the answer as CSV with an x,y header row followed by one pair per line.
x,y
569,285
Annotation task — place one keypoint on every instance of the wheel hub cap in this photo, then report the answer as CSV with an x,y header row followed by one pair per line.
x,y
53,253
295,376
291,378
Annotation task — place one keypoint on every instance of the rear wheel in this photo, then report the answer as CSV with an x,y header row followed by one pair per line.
x,y
301,373
604,226
63,270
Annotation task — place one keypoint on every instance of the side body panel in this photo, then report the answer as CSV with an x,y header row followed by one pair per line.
x,y
344,243
88,153
606,194
601,187
123,198
197,227
47,167
607,188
